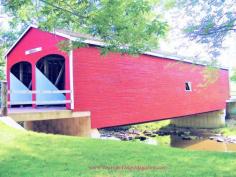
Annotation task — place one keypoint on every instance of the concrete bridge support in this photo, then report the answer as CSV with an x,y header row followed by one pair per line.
x,y
70,126
231,109
55,120
214,119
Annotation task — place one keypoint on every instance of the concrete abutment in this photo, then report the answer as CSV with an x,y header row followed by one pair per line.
x,y
71,126
213,119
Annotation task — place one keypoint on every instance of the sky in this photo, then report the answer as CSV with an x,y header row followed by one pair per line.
x,y
176,42
228,56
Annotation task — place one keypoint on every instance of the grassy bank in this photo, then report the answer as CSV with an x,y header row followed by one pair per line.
x,y
151,126
229,128
162,140
26,154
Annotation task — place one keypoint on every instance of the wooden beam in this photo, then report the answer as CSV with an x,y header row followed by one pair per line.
x,y
45,69
59,75
30,84
38,91
39,102
44,114
21,72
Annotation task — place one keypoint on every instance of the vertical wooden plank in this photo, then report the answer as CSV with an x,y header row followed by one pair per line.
x,y
33,84
3,98
59,75
21,72
46,71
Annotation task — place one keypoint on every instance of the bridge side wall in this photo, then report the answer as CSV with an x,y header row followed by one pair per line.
x,y
122,89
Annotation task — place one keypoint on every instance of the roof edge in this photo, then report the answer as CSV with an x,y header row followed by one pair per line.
x,y
19,38
178,58
102,44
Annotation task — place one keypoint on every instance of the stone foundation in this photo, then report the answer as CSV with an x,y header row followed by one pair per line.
x,y
70,126
214,119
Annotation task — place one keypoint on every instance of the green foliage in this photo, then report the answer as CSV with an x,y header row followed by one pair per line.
x,y
2,64
168,4
210,75
67,45
233,77
7,38
33,154
125,26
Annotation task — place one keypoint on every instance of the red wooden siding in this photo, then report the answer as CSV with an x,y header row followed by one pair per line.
x,y
124,89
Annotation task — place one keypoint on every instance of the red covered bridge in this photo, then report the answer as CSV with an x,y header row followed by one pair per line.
x,y
116,89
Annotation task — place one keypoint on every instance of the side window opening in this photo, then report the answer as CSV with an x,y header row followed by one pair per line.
x,y
188,86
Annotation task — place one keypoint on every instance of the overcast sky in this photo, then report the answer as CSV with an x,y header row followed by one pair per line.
x,y
176,41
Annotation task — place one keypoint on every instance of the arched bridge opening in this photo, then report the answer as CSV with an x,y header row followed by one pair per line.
x,y
53,67
50,76
21,80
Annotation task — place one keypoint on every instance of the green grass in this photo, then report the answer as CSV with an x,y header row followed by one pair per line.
x,y
162,140
151,126
228,131
28,154
229,128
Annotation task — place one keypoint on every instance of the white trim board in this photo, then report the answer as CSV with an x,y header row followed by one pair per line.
x,y
71,70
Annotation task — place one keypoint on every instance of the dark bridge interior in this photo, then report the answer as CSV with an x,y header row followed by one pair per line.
x,y
23,72
53,67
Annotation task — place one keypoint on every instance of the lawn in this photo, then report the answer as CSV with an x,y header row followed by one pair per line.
x,y
26,154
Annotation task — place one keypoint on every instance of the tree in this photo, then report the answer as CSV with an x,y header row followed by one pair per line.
x,y
2,64
125,26
233,77
210,22
7,38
